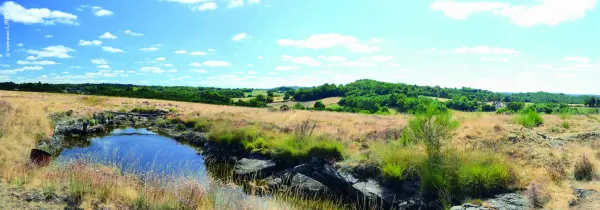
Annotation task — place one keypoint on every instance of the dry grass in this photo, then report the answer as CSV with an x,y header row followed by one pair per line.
x,y
326,101
24,119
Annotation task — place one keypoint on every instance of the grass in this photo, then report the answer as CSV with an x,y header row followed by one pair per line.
x,y
529,118
25,114
584,169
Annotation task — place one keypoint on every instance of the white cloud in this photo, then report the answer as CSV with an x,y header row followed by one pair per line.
x,y
148,49
75,67
18,13
30,58
25,68
333,58
180,52
112,49
199,70
240,37
205,6
43,63
545,12
376,40
172,70
259,57
161,59
216,63
252,72
323,41
57,51
152,69
89,43
131,33
241,3
19,44
103,12
286,68
487,50
211,50
187,1
544,66
305,60
249,65
168,65
49,36
197,53
107,35
195,64
104,66
99,61
577,59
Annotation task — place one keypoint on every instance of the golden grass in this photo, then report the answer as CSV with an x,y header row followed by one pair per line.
x,y
23,119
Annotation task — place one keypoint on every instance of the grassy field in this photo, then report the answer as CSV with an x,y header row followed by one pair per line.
x,y
535,162
326,101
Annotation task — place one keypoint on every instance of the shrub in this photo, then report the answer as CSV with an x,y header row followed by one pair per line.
x,y
319,105
202,124
584,169
530,118
502,111
298,106
301,149
431,127
536,196
565,125
484,175
398,162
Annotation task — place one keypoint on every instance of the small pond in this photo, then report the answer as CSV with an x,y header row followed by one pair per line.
x,y
139,151
143,152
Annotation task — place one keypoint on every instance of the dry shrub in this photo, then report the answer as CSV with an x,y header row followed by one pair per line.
x,y
537,195
584,169
556,168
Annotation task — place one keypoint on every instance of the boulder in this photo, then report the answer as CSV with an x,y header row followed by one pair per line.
x,y
308,186
253,168
40,157
371,193
194,138
508,201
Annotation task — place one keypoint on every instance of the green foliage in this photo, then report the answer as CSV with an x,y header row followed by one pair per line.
x,y
529,118
565,125
431,127
48,190
201,124
298,106
76,189
396,161
502,111
584,169
515,106
295,147
463,103
319,105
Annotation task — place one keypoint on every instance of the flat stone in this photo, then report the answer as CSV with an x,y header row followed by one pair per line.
x,y
253,168
308,186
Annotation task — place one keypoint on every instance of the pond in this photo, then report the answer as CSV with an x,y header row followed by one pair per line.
x,y
149,154
139,151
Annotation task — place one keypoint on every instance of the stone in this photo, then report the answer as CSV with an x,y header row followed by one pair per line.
x,y
373,194
40,157
509,201
253,168
194,138
308,186
468,206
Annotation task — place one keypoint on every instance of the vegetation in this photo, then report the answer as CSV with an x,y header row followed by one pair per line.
x,y
584,169
529,118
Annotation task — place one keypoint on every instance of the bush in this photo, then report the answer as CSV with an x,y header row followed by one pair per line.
x,y
502,111
584,169
565,125
298,106
530,118
202,124
319,105
302,149
431,127
397,162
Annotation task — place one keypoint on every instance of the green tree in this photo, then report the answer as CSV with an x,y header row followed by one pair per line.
x,y
515,106
298,106
286,96
319,105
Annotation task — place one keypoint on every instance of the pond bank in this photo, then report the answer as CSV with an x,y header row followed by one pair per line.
x,y
258,173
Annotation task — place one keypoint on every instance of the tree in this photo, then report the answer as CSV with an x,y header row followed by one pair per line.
x,y
443,94
515,106
270,93
261,97
286,97
319,105
298,106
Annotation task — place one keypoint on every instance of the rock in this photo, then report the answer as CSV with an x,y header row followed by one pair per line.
x,y
40,157
273,182
468,206
194,138
509,201
580,194
308,186
374,194
253,168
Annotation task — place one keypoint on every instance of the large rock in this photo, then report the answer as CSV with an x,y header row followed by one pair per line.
x,y
371,193
253,168
193,138
308,186
508,201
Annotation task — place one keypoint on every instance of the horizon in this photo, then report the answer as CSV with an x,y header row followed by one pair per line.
x,y
501,46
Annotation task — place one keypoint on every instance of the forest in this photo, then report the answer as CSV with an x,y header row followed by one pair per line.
x,y
364,96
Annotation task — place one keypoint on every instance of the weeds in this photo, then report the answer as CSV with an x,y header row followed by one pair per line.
x,y
565,125
584,169
48,190
536,195
529,118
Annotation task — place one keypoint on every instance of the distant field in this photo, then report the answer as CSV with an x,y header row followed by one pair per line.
x,y
254,93
439,99
326,101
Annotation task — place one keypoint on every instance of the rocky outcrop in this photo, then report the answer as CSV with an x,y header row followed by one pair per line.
x,y
246,169
581,195
508,201
308,186
579,137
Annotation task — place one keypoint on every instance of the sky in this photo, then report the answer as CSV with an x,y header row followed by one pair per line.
x,y
498,45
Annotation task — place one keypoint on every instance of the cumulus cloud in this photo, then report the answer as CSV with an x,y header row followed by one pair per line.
x,y
286,68
42,63
240,37
577,59
152,69
161,59
180,52
205,6
99,61
25,68
324,41
112,49
199,70
544,12
90,43
107,35
241,3
17,13
216,63
131,33
57,51
487,50
197,53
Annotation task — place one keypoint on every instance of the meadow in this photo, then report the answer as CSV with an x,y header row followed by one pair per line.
x,y
501,146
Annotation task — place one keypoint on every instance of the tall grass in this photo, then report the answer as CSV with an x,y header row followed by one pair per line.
x,y
529,118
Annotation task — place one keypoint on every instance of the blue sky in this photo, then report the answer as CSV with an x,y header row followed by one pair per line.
x,y
499,45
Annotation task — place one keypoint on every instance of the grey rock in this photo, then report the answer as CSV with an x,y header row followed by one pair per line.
x,y
509,201
373,194
308,186
253,168
468,206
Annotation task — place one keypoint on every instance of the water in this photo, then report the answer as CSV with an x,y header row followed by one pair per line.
x,y
140,151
